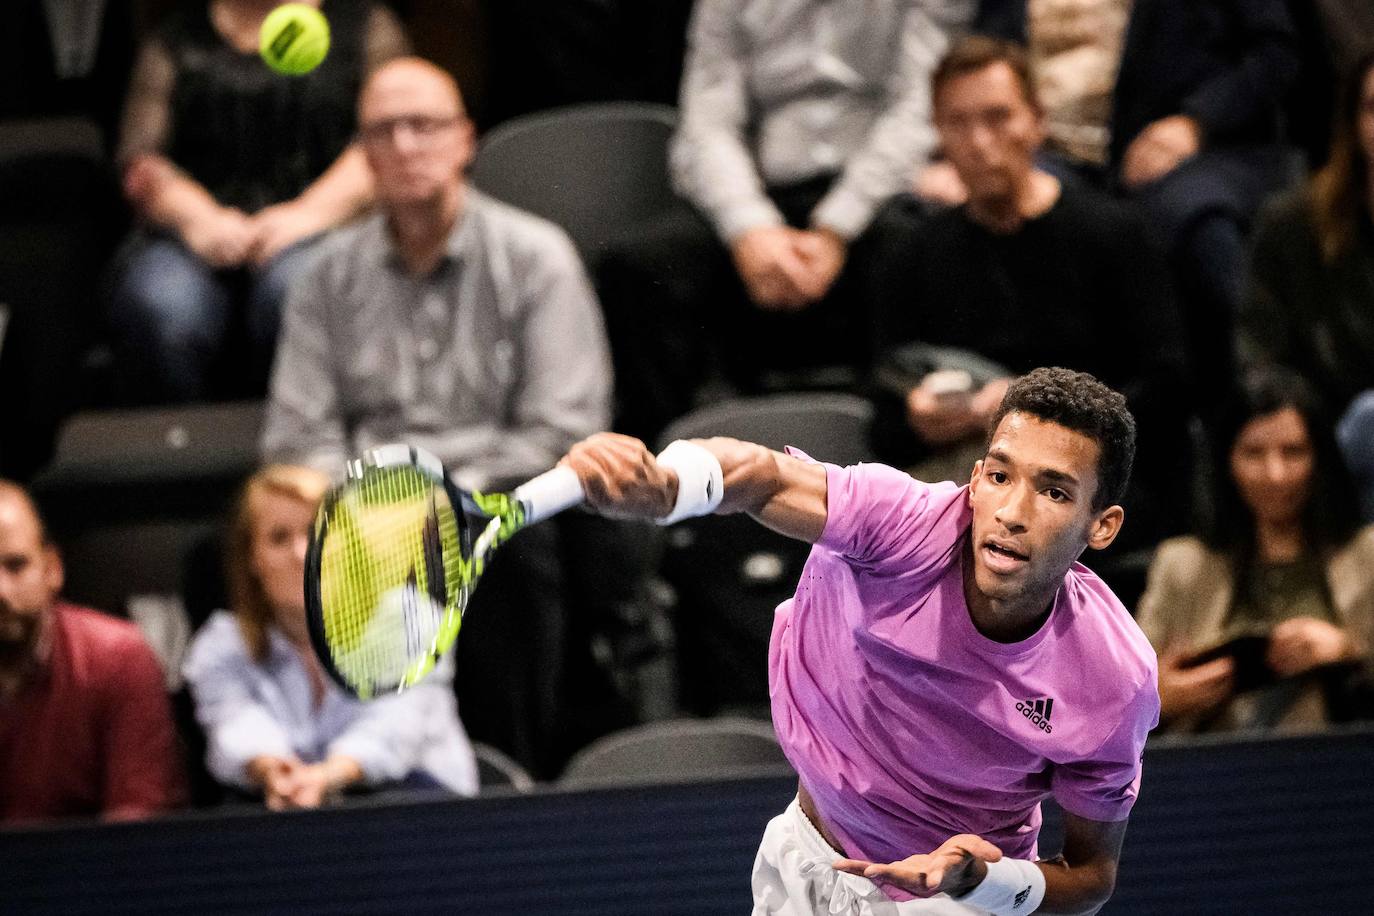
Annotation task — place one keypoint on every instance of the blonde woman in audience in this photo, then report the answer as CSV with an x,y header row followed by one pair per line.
x,y
1284,562
274,722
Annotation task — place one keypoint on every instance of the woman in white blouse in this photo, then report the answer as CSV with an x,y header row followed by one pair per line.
x,y
274,722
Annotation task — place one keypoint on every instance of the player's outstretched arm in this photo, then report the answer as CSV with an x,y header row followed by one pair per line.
x,y
623,478
1077,883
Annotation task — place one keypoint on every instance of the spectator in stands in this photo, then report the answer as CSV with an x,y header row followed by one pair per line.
x,y
232,170
1283,558
1310,304
1197,139
469,328
274,723
85,723
798,120
1075,54
1030,271
1196,127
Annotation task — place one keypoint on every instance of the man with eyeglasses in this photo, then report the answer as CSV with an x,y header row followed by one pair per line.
x,y
462,325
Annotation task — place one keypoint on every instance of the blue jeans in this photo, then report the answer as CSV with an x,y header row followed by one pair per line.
x,y
173,318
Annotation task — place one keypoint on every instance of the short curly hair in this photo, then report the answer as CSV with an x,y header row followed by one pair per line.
x,y
1078,401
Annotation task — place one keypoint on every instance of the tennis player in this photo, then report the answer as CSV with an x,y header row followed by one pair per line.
x,y
946,663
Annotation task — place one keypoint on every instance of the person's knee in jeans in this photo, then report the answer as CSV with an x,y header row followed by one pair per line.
x,y
168,321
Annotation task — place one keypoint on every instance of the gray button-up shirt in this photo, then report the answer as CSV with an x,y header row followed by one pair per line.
x,y
779,91
496,362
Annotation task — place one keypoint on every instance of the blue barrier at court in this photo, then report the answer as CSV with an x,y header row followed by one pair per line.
x,y
1265,825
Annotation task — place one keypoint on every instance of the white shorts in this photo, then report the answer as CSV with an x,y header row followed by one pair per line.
x,y
792,877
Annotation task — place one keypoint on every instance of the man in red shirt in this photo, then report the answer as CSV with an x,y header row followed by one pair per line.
x,y
85,724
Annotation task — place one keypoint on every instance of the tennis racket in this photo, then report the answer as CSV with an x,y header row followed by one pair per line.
x,y
393,562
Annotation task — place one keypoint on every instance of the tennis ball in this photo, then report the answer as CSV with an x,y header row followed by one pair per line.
x,y
294,39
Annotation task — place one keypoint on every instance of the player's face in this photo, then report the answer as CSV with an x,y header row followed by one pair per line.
x,y
415,136
1365,120
989,130
1272,462
281,533
30,578
1032,500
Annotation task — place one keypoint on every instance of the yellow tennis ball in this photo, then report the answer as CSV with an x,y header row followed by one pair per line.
x,y
294,39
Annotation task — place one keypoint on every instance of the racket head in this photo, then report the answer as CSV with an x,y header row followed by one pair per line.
x,y
388,571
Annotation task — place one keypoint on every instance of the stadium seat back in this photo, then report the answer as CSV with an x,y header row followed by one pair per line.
x,y
595,170
678,749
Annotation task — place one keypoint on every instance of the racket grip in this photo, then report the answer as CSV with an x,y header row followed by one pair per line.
x,y
549,494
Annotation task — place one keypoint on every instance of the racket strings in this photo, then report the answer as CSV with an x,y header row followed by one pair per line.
x,y
391,575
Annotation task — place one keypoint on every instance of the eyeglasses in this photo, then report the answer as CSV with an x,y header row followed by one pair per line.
x,y
421,127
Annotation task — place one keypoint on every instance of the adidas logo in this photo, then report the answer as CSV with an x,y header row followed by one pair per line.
x,y
1038,712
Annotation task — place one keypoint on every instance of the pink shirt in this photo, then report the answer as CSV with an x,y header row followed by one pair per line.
x,y
907,725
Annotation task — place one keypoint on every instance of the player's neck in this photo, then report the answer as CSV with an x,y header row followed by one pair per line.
x,y
1005,621
1032,198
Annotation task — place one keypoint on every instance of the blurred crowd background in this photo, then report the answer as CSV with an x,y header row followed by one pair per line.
x,y
493,228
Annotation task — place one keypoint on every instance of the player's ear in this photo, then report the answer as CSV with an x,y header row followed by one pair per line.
x,y
1105,527
976,476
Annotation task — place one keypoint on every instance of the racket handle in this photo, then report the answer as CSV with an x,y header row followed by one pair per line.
x,y
549,494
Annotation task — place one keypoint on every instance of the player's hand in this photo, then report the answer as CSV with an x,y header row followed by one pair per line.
x,y
940,182
775,274
220,236
824,254
1297,646
1159,149
280,226
621,477
955,868
1194,690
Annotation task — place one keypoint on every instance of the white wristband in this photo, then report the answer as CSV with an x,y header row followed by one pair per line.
x,y
700,481
1013,887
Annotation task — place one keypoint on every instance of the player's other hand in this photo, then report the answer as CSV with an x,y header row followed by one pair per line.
x,y
621,477
956,868
1193,689
1298,645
